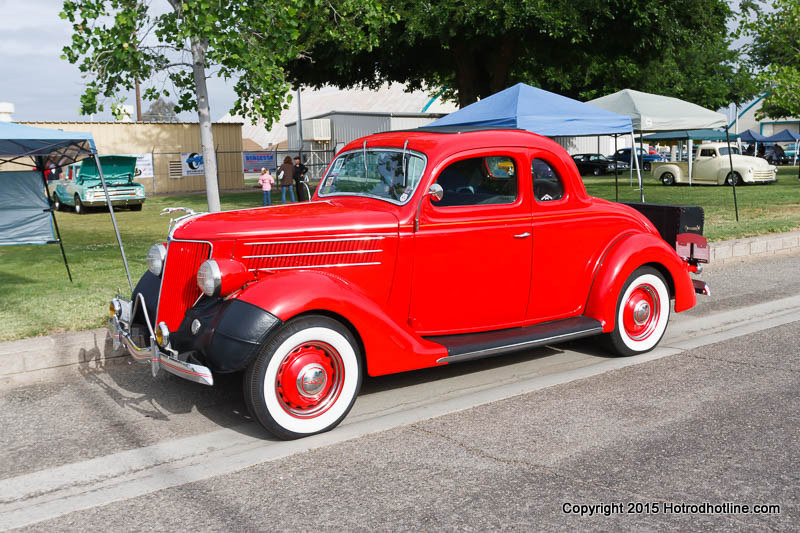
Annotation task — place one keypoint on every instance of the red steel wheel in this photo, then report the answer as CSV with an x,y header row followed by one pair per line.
x,y
643,309
305,379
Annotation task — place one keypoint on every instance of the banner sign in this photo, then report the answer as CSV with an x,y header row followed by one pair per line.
x,y
253,162
192,164
144,166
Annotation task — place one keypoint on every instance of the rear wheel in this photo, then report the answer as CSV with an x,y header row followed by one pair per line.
x,y
79,207
733,177
668,178
643,309
305,379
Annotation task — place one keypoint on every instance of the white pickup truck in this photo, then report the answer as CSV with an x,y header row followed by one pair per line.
x,y
712,166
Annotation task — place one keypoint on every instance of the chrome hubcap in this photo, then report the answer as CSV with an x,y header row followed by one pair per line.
x,y
641,313
311,380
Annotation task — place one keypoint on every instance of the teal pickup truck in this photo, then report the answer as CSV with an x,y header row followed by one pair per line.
x,y
80,186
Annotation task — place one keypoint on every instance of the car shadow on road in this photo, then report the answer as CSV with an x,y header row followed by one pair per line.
x,y
131,386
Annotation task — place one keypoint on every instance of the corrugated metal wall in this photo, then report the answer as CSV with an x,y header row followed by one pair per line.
x,y
166,141
603,144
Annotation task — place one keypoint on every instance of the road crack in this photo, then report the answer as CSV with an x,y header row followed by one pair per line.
x,y
741,363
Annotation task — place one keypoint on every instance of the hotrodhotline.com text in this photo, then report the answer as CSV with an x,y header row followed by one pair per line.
x,y
608,509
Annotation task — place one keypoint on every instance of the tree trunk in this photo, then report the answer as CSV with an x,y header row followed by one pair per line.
x,y
199,47
466,73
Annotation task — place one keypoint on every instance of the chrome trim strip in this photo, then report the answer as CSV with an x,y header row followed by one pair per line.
x,y
347,239
511,347
315,266
312,253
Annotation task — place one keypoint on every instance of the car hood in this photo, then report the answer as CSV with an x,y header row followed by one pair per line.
x,y
291,220
748,160
117,170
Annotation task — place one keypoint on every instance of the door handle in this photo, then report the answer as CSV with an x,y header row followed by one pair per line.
x,y
522,235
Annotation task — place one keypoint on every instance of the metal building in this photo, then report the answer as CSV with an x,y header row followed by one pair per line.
x,y
160,145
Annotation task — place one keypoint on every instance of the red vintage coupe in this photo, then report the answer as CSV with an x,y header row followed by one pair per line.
x,y
418,249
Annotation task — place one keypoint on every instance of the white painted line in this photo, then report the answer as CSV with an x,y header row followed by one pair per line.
x,y
51,493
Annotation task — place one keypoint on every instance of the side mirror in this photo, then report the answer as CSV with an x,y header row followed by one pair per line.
x,y
436,192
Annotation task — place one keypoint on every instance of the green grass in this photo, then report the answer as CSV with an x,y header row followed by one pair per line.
x,y
762,208
36,298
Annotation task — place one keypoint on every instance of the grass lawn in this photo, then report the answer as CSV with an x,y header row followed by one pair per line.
x,y
38,299
762,208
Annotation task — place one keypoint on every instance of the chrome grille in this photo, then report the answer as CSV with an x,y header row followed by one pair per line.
x,y
179,290
763,175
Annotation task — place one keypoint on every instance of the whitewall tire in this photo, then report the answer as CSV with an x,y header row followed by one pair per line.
x,y
643,309
305,379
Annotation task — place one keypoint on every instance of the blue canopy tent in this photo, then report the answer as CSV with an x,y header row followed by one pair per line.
x,y
786,136
26,211
750,136
536,110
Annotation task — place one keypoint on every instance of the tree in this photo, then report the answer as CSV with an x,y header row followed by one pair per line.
x,y
160,111
579,48
773,30
117,42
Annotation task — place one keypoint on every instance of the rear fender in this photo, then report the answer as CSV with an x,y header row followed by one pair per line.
x,y
389,346
674,169
628,254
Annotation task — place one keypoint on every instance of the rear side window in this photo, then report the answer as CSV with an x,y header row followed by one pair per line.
x,y
479,181
547,185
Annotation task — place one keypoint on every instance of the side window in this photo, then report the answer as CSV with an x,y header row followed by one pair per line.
x,y
547,186
479,181
707,152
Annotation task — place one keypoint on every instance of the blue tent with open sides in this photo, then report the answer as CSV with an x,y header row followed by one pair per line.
x,y
532,109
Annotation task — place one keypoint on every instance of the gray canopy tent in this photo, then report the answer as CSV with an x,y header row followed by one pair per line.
x,y
26,214
652,113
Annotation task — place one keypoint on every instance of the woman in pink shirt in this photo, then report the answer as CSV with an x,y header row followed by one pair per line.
x,y
266,180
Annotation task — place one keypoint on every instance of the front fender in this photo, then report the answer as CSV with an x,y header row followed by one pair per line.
x,y
389,345
625,256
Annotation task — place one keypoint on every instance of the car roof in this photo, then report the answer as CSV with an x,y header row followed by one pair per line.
x,y
435,139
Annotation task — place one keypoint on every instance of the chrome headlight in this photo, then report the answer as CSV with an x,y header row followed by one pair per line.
x,y
209,278
156,257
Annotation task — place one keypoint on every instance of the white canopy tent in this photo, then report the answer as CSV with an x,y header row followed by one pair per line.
x,y
651,113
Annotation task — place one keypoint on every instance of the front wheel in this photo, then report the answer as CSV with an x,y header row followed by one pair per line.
x,y
79,207
642,315
596,171
305,379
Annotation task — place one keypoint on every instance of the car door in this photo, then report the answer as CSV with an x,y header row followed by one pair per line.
x,y
472,250
567,240
705,166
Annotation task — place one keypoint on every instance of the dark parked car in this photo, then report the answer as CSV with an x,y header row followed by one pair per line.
x,y
595,164
645,160
775,155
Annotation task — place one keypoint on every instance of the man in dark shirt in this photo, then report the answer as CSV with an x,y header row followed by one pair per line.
x,y
299,176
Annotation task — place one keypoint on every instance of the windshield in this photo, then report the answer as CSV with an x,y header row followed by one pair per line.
x,y
724,151
388,174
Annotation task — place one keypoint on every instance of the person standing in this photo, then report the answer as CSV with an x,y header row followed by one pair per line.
x,y
299,175
266,180
286,178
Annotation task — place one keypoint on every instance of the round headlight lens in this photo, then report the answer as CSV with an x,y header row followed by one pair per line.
x,y
156,257
209,278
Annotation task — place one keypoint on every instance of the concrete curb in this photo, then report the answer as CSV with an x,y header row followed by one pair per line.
x,y
778,243
42,358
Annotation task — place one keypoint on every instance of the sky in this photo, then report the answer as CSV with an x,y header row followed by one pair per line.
x,y
44,87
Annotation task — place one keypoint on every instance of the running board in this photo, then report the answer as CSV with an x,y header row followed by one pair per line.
x,y
468,346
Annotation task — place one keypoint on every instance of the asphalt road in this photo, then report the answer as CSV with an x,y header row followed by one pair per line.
x,y
710,417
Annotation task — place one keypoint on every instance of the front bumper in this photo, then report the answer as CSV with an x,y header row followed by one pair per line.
x,y
159,357
97,202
